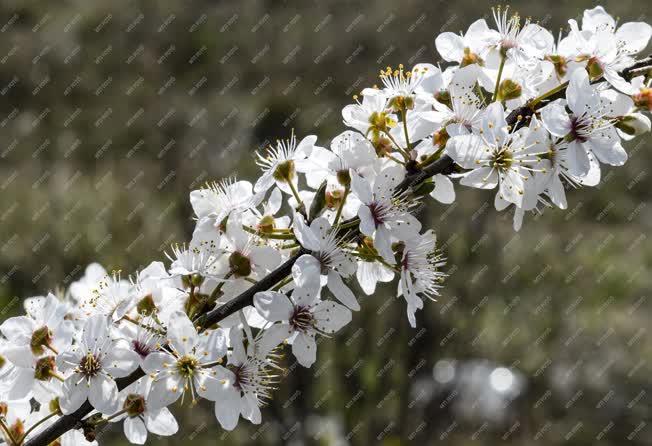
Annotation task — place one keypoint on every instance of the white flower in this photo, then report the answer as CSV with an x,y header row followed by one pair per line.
x,y
140,418
83,287
349,150
95,361
420,272
300,317
498,156
383,216
465,49
370,117
111,296
194,259
524,45
605,49
245,383
281,163
464,114
44,331
590,128
187,365
327,259
219,199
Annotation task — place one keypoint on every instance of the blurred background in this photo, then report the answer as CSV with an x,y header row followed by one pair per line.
x,y
112,112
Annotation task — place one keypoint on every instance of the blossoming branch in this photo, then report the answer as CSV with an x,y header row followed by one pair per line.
x,y
271,265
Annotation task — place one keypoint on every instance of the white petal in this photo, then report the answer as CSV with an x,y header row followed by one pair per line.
x,y
608,149
482,178
555,119
182,333
331,316
164,391
103,394
272,337
466,150
304,349
341,291
367,222
74,393
634,36
18,328
443,191
96,330
250,409
303,233
120,362
273,306
227,408
157,361
135,430
450,46
161,422
306,270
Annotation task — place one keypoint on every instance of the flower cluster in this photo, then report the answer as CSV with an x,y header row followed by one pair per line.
x,y
274,264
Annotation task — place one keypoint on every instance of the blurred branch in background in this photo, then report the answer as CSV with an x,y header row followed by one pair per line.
x,y
112,112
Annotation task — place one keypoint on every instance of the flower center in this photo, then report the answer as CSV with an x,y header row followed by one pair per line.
x,y
378,212
502,160
90,365
301,319
141,348
579,129
187,365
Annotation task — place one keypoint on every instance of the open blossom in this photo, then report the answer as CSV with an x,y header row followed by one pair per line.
x,y
280,164
187,365
300,317
327,259
466,49
420,272
383,216
94,364
245,382
139,418
45,331
605,49
590,126
218,200
511,111
497,155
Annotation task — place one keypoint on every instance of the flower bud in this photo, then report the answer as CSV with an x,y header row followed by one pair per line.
x,y
44,368
594,68
266,224
134,404
508,89
41,338
196,280
284,172
344,177
240,264
146,305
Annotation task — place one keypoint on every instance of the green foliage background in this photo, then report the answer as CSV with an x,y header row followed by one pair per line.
x,y
111,112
